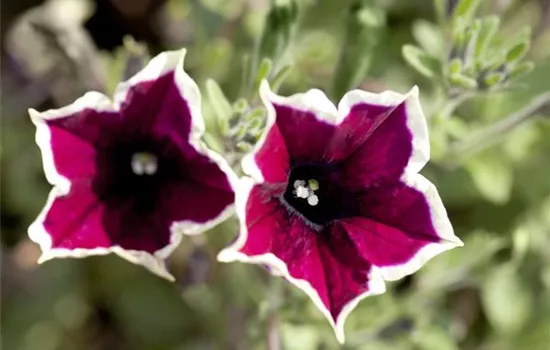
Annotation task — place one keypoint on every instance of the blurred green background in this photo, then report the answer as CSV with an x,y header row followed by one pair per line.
x,y
490,161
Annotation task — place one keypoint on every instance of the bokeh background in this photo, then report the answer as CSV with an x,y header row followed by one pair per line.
x,y
491,163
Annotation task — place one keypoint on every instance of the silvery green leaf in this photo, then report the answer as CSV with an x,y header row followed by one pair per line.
x,y
420,60
521,69
487,30
463,81
493,79
220,104
517,52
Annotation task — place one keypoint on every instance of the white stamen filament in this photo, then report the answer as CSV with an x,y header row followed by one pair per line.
x,y
144,163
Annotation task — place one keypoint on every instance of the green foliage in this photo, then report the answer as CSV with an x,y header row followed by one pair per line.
x,y
484,87
364,25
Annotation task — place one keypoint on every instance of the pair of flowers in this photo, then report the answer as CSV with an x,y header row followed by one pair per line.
x,y
333,201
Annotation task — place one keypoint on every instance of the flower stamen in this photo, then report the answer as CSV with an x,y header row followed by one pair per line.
x,y
307,192
144,163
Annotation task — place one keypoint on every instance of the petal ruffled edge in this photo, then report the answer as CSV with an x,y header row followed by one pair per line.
x,y
91,100
416,121
277,267
313,100
152,262
158,66
173,61
442,226
190,92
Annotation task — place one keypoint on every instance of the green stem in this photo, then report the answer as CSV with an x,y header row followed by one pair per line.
x,y
492,133
273,330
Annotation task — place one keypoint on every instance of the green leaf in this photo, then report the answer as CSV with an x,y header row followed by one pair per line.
x,y
521,69
434,338
487,30
465,10
300,337
420,60
507,300
471,38
517,52
278,30
441,9
429,36
492,176
220,104
521,237
455,66
363,30
463,81
263,71
493,79
279,78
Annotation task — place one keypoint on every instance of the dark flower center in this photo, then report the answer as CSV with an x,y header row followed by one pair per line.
x,y
135,171
315,192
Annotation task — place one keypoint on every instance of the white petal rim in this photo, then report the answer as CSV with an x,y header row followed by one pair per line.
x,y
279,267
316,102
158,66
416,121
442,226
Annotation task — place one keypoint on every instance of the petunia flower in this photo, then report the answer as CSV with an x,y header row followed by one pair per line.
x,y
130,176
334,202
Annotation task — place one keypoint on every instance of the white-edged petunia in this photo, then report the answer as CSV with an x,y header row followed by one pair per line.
x,y
130,176
334,202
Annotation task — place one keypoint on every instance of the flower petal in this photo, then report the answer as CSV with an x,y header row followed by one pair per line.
x,y
68,136
326,268
305,121
405,226
269,159
390,125
198,205
160,104
162,99
72,224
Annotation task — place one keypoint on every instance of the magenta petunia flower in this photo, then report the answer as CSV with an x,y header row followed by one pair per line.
x,y
130,176
334,202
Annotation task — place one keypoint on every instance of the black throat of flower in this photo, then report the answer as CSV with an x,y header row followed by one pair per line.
x,y
135,171
315,192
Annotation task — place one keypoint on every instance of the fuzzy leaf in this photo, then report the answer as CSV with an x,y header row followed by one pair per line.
x,y
463,81
465,10
487,30
517,52
429,36
521,69
420,60
507,300
492,177
220,104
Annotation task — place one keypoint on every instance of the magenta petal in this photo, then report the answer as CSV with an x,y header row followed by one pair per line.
x,y
76,220
157,108
337,275
305,135
346,271
272,158
384,245
357,127
402,207
193,203
74,141
384,155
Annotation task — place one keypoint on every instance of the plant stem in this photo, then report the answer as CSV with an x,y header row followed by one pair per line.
x,y
273,339
273,330
492,133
